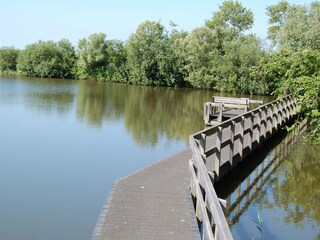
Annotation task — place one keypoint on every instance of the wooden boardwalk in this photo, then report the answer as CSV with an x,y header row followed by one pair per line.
x,y
153,203
218,149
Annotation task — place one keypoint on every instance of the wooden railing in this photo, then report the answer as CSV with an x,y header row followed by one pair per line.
x,y
250,184
217,149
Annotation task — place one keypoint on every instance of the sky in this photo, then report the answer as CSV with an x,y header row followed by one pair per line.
x,y
24,22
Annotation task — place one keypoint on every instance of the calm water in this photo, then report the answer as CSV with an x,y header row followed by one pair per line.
x,y
274,194
63,143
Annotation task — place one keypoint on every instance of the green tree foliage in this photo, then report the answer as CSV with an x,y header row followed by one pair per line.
x,y
47,59
151,59
294,26
240,56
145,49
101,59
197,51
177,57
229,51
276,18
295,68
8,59
92,57
116,68
231,16
297,73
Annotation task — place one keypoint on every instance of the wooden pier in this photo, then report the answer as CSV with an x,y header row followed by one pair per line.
x,y
218,149
154,204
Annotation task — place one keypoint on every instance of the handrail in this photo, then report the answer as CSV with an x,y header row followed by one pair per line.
x,y
262,172
217,149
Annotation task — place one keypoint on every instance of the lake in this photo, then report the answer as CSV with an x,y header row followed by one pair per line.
x,y
63,144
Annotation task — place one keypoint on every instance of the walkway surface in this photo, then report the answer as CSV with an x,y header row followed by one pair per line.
x,y
151,204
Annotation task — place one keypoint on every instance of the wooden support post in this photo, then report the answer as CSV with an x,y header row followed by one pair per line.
x,y
258,126
206,113
264,131
275,116
241,139
231,149
218,152
220,112
250,140
202,146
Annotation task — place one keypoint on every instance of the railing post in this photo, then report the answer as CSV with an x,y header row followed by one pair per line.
x,y
241,139
258,134
251,119
231,150
218,152
264,119
220,112
206,111
275,116
202,143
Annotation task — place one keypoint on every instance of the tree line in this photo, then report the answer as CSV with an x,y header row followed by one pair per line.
x,y
221,55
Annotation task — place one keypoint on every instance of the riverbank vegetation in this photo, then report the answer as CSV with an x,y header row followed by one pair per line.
x,y
221,55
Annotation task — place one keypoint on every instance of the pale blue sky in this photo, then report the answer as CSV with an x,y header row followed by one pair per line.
x,y
23,22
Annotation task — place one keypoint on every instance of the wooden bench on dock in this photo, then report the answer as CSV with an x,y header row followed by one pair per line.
x,y
223,108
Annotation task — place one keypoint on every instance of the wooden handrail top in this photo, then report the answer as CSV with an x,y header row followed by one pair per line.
x,y
238,118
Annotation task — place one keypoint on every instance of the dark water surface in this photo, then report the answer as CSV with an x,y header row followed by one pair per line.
x,y
63,143
275,193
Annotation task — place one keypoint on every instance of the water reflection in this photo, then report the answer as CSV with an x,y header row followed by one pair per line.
x,y
149,113
46,96
281,181
94,103
298,191
64,142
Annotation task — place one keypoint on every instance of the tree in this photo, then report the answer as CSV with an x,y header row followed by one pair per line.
x,y
116,68
8,59
234,69
47,59
233,53
298,73
231,15
144,49
294,27
92,57
198,50
68,56
176,57
150,57
276,15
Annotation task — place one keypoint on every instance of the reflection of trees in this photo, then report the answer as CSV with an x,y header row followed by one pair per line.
x,y
149,112
299,191
59,102
92,102
48,95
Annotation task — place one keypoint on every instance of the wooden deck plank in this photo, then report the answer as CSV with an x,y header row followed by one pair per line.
x,y
151,204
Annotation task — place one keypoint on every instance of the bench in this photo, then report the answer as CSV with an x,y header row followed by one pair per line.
x,y
226,107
